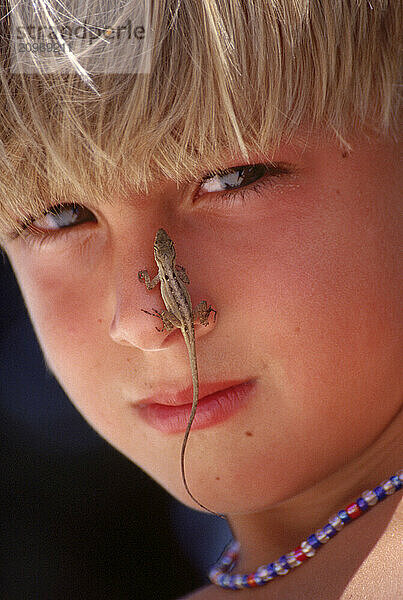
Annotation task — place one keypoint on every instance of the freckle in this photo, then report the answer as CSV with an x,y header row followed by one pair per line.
x,y
99,320
129,359
248,433
297,329
338,192
344,154
217,479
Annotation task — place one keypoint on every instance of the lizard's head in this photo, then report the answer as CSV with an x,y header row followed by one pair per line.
x,y
163,246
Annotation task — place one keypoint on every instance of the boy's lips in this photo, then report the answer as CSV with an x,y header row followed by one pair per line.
x,y
170,413
185,396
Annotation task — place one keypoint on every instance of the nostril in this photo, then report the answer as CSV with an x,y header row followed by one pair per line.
x,y
117,334
136,328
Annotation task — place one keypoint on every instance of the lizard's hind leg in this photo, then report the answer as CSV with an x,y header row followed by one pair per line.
x,y
169,321
201,313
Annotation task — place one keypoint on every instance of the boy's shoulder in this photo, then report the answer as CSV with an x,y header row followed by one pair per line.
x,y
380,574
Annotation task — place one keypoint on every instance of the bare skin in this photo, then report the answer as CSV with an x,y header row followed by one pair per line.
x,y
306,277
363,562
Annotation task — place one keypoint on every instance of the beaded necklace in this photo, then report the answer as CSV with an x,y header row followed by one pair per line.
x,y
220,572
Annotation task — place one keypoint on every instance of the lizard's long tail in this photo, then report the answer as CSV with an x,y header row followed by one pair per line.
x,y
195,379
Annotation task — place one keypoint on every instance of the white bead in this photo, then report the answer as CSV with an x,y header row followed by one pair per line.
x,y
214,573
226,579
238,581
263,573
307,549
322,537
400,475
370,497
388,487
336,522
292,561
279,569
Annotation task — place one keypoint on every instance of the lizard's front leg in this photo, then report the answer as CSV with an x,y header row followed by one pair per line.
x,y
150,283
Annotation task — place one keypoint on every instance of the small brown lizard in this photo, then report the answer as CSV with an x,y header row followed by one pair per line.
x,y
179,313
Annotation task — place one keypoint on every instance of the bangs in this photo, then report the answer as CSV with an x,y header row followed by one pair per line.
x,y
224,78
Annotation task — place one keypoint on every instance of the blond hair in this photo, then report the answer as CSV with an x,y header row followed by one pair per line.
x,y
227,76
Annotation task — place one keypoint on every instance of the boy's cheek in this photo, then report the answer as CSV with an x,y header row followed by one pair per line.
x,y
64,312
70,327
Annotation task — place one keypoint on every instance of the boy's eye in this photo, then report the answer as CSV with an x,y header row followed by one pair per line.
x,y
234,177
63,215
229,181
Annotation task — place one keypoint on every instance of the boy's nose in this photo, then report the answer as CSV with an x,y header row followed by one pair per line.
x,y
130,326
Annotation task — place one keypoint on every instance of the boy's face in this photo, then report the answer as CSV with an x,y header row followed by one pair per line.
x,y
304,275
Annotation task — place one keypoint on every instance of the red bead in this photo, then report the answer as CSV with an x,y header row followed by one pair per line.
x,y
353,510
251,580
300,554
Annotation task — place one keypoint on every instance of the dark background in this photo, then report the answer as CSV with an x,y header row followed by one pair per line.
x,y
79,520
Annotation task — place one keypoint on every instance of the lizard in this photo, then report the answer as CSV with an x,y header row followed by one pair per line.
x,y
179,313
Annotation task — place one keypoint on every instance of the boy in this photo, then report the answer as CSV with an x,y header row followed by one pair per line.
x,y
264,140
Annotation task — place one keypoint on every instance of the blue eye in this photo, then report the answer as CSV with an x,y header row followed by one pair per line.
x,y
236,182
61,216
234,177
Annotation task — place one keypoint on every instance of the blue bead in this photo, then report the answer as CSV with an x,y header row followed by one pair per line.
x,y
220,579
329,530
272,571
344,516
396,482
245,580
313,540
362,505
380,492
231,583
283,562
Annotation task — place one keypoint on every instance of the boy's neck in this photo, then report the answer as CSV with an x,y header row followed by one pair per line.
x,y
267,535
363,563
